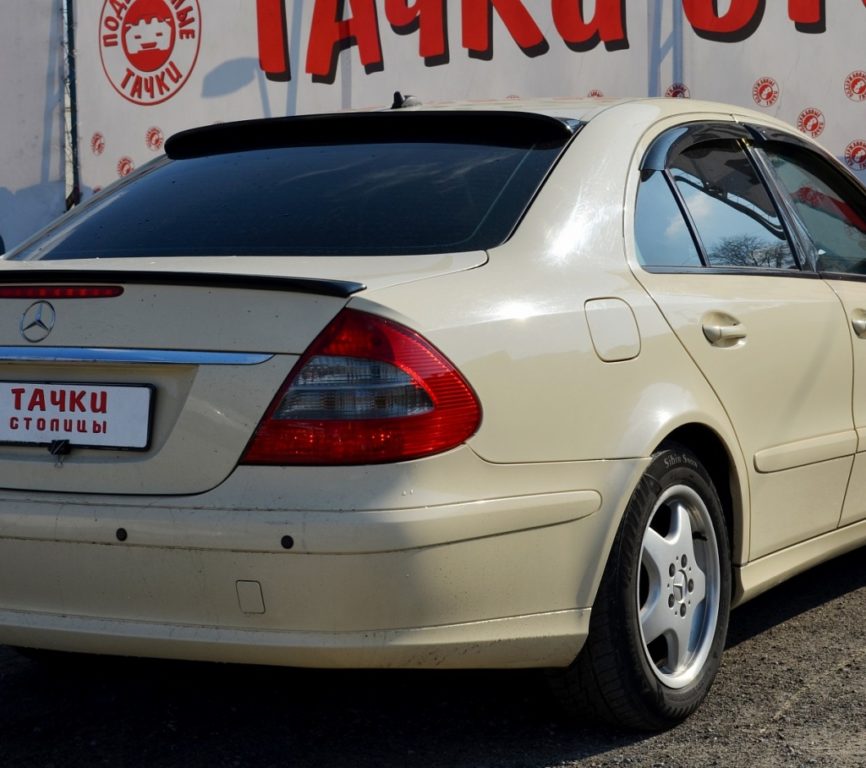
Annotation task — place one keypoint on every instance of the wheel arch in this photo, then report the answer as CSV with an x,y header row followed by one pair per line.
x,y
713,453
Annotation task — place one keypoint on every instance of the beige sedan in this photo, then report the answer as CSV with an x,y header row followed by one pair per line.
x,y
545,384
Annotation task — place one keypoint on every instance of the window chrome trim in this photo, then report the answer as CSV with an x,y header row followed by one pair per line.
x,y
129,356
683,270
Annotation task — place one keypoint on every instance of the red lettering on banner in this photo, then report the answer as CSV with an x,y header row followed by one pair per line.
x,y
13,423
111,38
58,399
427,16
54,425
273,39
340,24
740,20
161,84
81,425
607,25
808,15
329,34
17,395
185,16
477,26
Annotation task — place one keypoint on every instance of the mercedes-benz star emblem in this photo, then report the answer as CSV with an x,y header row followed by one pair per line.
x,y
37,321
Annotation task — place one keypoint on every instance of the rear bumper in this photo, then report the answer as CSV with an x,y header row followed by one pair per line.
x,y
489,581
540,640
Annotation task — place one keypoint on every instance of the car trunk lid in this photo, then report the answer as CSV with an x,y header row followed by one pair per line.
x,y
158,390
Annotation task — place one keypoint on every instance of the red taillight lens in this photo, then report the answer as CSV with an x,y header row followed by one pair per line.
x,y
367,391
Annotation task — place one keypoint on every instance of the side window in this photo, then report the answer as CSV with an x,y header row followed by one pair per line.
x,y
733,214
831,208
661,234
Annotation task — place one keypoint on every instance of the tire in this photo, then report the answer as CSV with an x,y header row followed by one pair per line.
x,y
660,618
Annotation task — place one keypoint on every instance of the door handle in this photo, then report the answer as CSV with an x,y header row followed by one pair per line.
x,y
859,325
720,334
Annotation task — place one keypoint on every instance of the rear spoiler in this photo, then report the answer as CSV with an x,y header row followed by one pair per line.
x,y
341,289
489,127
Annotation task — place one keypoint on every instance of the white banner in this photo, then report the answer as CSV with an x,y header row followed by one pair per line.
x,y
148,68
31,117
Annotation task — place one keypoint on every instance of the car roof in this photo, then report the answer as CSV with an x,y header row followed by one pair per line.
x,y
585,109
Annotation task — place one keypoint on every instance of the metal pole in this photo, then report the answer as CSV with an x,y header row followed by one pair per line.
x,y
75,194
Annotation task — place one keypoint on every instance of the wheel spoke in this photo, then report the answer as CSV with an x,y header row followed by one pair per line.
x,y
658,552
679,645
681,530
655,619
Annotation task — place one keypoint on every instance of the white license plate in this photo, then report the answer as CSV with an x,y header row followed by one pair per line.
x,y
86,415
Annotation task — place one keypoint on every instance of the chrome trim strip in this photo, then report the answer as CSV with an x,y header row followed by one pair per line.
x,y
129,356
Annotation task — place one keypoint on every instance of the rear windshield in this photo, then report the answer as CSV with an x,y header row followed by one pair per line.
x,y
406,194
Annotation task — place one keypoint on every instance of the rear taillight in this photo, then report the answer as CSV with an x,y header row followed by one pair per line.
x,y
368,390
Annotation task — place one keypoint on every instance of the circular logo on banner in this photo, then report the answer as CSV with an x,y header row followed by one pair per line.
x,y
855,155
97,144
149,47
855,86
678,91
125,166
154,139
765,92
811,121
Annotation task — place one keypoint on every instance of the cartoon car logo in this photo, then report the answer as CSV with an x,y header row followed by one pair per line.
x,y
148,35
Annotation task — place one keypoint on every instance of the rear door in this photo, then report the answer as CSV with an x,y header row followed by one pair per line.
x,y
767,333
831,207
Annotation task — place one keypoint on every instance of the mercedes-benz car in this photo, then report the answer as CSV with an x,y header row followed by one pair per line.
x,y
545,384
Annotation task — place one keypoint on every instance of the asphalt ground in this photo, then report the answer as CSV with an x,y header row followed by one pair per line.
x,y
791,692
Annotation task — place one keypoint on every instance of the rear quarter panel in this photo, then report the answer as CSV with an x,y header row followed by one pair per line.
x,y
517,328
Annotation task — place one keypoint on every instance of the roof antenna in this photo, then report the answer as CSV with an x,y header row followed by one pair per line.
x,y
403,102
